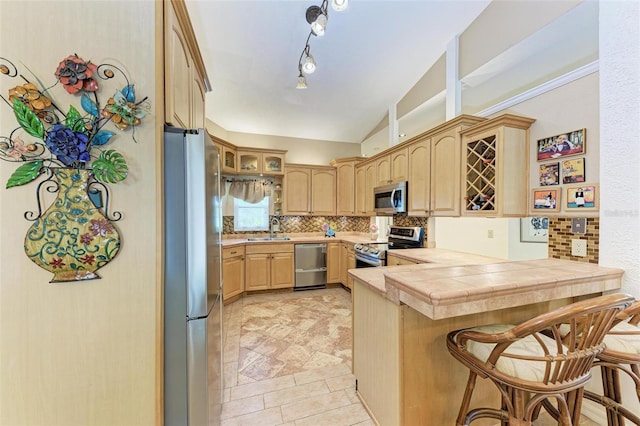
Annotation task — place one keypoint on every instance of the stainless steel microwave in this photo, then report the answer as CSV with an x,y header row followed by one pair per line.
x,y
390,199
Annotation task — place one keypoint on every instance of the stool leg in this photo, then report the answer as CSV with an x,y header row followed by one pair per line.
x,y
611,389
466,399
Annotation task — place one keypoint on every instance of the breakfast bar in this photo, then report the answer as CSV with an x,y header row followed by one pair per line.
x,y
401,316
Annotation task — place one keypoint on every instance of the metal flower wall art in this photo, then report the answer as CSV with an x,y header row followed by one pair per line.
x,y
67,151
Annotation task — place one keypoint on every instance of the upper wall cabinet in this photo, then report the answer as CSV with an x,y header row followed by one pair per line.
x,y
435,167
309,190
256,162
392,167
346,187
495,167
185,78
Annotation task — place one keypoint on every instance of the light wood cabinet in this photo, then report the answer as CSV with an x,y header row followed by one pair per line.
x,y
370,181
435,167
309,190
347,261
255,162
393,260
333,263
361,191
232,272
392,167
494,179
346,191
186,80
269,266
229,159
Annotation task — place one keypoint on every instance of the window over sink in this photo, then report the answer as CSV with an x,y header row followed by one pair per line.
x,y
251,216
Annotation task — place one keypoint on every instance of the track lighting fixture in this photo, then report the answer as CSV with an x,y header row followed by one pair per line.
x,y
317,17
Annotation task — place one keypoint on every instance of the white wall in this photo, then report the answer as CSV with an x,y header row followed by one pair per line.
x,y
472,235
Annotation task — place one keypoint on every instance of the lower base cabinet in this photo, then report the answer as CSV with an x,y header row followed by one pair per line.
x,y
398,261
333,263
347,261
232,272
269,266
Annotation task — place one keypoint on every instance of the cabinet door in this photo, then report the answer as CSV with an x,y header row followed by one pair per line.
x,y
228,159
445,173
272,163
333,263
323,192
361,191
346,189
351,264
177,73
383,171
398,165
232,276
197,100
257,271
343,263
370,183
419,178
249,162
297,184
282,270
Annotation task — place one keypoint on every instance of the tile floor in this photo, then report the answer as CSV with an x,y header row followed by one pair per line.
x,y
287,361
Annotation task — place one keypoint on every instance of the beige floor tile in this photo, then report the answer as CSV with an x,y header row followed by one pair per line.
x,y
320,360
268,417
230,374
262,387
343,416
226,395
297,393
314,405
321,373
347,381
243,380
243,406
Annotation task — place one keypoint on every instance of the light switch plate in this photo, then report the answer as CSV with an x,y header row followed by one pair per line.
x,y
579,225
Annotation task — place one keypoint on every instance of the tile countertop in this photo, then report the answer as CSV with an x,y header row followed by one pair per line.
x,y
353,238
455,284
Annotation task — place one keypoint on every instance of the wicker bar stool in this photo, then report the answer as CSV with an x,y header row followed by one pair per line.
x,y
622,355
530,363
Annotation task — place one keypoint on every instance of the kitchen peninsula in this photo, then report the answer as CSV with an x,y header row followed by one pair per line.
x,y
401,316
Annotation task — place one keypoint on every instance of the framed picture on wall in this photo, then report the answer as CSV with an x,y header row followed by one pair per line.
x,y
573,170
562,145
545,199
581,197
534,229
549,174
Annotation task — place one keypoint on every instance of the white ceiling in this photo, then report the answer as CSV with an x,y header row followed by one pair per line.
x,y
370,56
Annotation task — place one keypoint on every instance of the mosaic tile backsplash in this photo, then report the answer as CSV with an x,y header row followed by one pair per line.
x,y
297,224
560,237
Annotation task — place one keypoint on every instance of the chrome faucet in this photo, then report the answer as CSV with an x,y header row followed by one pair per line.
x,y
274,226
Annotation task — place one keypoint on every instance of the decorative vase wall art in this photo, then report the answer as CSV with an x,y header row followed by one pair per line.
x,y
65,150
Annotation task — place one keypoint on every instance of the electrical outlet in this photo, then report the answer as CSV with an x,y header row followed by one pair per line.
x,y
579,248
490,233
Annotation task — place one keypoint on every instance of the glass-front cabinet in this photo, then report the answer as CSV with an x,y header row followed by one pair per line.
x,y
254,161
228,159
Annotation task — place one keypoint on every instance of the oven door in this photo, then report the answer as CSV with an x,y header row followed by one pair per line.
x,y
368,262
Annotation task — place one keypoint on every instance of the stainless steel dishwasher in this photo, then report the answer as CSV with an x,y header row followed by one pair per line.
x,y
311,266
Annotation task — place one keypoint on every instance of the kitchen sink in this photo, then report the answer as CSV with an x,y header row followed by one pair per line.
x,y
269,239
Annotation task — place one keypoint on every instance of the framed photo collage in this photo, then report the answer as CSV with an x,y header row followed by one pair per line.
x,y
555,170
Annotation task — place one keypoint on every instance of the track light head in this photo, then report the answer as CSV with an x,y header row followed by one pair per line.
x,y
339,5
317,18
309,64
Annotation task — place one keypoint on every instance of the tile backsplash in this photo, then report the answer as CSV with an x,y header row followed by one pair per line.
x,y
560,237
297,224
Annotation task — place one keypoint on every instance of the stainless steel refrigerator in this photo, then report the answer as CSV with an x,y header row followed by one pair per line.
x,y
192,279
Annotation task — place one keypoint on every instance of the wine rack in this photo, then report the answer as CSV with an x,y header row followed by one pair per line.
x,y
481,174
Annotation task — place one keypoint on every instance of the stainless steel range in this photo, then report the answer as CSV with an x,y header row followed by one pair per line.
x,y
371,255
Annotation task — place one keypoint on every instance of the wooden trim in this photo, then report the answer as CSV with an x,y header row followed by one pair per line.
x,y
159,115
263,150
507,120
182,14
346,160
308,166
